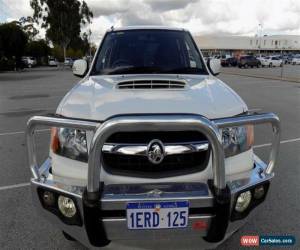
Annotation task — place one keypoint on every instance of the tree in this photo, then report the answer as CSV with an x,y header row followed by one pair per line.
x,y
38,49
12,40
12,43
81,43
27,25
62,19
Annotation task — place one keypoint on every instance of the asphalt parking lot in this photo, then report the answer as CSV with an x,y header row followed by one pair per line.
x,y
38,91
288,72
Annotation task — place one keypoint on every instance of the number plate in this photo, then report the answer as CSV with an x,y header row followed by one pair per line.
x,y
157,215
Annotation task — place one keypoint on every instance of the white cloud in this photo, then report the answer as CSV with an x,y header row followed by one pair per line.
x,y
15,9
199,16
166,5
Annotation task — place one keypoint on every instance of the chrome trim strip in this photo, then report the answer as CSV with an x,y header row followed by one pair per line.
x,y
169,148
116,196
120,203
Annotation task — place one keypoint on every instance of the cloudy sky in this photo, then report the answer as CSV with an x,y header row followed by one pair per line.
x,y
230,17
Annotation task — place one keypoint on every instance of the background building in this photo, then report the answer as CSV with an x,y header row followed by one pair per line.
x,y
244,44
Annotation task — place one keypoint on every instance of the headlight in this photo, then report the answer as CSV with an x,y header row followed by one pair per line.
x,y
237,139
70,143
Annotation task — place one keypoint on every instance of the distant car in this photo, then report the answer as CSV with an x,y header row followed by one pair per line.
x,y
248,61
260,58
232,61
68,61
52,62
224,61
296,60
289,59
286,59
272,61
29,61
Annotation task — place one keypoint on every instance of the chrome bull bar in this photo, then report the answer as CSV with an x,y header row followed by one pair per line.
x,y
130,123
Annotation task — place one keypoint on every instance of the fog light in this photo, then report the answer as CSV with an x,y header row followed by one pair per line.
x,y
48,198
243,201
259,192
66,206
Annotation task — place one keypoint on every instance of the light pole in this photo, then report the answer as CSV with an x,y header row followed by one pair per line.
x,y
260,27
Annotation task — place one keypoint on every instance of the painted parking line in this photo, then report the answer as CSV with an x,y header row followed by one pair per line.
x,y
14,186
256,146
22,132
281,142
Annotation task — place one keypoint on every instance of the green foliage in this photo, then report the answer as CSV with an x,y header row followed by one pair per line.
x,y
93,49
12,45
27,25
57,52
62,19
12,40
38,49
7,64
74,53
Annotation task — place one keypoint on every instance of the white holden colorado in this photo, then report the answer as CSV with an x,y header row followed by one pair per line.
x,y
150,145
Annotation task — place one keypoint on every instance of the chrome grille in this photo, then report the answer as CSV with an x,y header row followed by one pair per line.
x,y
151,84
127,153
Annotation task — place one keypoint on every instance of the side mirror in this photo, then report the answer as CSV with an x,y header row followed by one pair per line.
x,y
80,67
214,66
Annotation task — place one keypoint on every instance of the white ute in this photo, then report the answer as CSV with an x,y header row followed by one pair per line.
x,y
150,145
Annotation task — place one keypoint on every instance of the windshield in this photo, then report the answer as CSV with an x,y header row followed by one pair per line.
x,y
148,51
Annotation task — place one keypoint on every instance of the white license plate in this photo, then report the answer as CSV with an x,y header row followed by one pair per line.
x,y
157,215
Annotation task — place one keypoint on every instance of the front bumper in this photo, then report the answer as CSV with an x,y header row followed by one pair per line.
x,y
101,209
111,209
